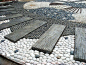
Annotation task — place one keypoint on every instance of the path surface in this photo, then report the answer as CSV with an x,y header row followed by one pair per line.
x,y
64,46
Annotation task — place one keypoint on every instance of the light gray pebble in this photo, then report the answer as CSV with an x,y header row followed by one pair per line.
x,y
48,60
68,50
52,55
71,57
48,64
39,64
60,55
37,59
31,61
67,59
66,55
34,59
63,58
32,55
30,58
46,54
44,57
44,60
78,62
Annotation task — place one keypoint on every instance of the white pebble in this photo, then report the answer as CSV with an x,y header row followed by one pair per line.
x,y
32,55
66,55
44,57
30,58
68,50
27,64
34,59
48,60
71,57
52,55
63,58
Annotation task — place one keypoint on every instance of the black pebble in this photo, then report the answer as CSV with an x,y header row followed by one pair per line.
x,y
37,56
71,52
66,37
15,51
61,64
2,41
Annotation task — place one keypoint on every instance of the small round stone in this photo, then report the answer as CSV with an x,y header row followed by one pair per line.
x,y
66,38
37,56
66,55
27,64
30,58
16,51
71,52
63,58
46,54
32,55
68,50
71,57
58,57
2,41
38,59
61,64
51,55
48,60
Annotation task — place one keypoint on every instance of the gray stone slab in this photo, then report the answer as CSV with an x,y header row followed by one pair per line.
x,y
7,13
14,22
7,2
5,7
18,34
48,40
10,16
80,44
9,9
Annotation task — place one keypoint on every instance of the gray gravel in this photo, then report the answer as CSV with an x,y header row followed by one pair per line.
x,y
70,26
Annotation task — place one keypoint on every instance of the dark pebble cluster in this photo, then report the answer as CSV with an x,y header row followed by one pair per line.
x,y
45,0
53,13
16,51
2,41
77,5
70,26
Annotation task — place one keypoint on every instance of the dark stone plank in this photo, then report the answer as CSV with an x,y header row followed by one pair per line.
x,y
18,34
80,44
7,13
4,10
14,22
5,7
7,2
48,40
10,16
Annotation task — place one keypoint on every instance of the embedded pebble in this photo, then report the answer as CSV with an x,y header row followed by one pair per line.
x,y
16,51
37,56
21,51
2,41
71,52
66,37
58,57
51,55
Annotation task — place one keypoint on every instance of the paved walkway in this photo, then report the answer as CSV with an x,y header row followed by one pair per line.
x,y
21,51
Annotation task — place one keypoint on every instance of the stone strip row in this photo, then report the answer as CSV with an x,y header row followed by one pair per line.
x,y
48,40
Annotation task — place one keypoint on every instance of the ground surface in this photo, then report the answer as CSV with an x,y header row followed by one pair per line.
x,y
28,56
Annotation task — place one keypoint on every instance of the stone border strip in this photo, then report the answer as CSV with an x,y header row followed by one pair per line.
x,y
14,22
16,35
80,44
11,16
48,40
